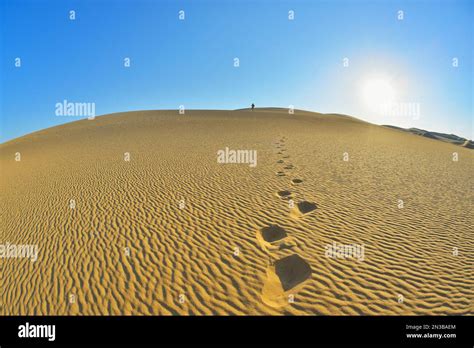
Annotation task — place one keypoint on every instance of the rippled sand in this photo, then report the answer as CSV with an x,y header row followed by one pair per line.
x,y
210,238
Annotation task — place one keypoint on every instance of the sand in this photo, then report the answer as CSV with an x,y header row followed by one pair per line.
x,y
172,231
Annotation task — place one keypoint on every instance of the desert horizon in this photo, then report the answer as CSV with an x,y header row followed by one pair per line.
x,y
84,110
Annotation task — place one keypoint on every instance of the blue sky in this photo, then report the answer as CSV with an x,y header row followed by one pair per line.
x,y
282,62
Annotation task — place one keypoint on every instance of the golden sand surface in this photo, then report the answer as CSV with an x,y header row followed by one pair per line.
x,y
172,231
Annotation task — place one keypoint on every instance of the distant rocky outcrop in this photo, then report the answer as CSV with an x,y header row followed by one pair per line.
x,y
448,138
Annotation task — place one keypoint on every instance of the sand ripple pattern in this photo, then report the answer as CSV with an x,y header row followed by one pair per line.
x,y
174,232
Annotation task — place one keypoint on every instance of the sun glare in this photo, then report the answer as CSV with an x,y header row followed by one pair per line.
x,y
378,92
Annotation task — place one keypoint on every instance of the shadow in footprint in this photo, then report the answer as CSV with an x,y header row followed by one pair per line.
x,y
292,270
284,246
280,174
284,193
306,207
273,233
290,166
296,181
280,161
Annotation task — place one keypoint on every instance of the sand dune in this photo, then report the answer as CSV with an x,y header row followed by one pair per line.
x,y
172,231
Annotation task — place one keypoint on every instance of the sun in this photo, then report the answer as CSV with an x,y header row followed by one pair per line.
x,y
378,92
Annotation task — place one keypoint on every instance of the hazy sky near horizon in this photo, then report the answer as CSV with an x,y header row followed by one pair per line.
x,y
300,62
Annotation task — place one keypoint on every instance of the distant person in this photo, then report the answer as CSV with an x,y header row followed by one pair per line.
x,y
253,106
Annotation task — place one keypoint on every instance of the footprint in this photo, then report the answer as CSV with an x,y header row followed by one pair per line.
x,y
286,274
284,194
274,237
280,161
296,181
306,207
287,156
303,208
280,173
289,166
273,233
292,271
